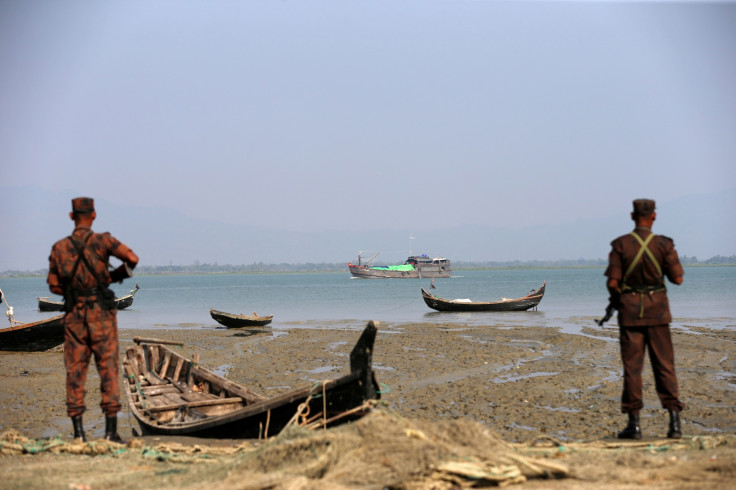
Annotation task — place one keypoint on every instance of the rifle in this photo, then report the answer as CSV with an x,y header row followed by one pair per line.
x,y
609,311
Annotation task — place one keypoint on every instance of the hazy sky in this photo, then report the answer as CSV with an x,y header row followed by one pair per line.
x,y
308,115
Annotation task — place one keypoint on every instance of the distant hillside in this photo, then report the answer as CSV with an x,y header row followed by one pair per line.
x,y
702,226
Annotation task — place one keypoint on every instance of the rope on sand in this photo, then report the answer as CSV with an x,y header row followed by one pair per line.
x,y
313,422
14,444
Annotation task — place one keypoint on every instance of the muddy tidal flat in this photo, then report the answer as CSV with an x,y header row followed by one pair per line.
x,y
521,383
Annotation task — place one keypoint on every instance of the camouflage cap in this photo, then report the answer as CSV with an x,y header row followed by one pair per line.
x,y
643,207
83,205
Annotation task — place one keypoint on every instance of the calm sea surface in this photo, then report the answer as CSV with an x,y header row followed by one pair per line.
x,y
574,298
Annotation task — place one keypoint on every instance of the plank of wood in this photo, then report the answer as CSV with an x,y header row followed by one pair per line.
x,y
172,398
177,370
180,385
194,397
153,379
158,389
202,403
167,360
155,401
141,340
230,386
153,350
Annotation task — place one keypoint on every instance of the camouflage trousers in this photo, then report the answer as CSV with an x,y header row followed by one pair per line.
x,y
89,330
658,341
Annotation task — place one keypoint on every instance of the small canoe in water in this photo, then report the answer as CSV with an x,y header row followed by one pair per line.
x,y
529,301
46,304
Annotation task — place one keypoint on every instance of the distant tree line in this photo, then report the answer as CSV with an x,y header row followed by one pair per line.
x,y
717,260
262,267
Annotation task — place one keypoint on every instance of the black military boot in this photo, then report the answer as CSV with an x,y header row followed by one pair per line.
x,y
675,431
111,430
78,428
632,430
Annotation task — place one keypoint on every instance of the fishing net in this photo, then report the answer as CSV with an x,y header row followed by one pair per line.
x,y
382,449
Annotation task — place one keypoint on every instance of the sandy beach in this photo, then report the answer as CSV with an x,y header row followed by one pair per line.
x,y
516,385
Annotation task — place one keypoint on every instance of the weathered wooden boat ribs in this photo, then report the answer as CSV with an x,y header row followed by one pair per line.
x,y
165,398
171,394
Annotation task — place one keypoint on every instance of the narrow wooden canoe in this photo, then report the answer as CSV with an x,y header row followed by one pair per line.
x,y
231,320
529,301
33,337
171,395
46,304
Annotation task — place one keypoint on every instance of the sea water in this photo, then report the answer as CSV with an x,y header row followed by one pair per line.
x,y
574,298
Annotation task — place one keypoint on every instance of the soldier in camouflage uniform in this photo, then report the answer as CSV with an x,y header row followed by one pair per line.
x,y
78,269
637,265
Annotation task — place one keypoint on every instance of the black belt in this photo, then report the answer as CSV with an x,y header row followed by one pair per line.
x,y
87,292
646,289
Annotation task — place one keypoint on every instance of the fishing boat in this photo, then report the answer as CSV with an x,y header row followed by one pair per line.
x,y
231,320
32,337
125,301
170,394
529,301
46,304
415,266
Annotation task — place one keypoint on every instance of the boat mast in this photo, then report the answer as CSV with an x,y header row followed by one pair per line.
x,y
410,239
368,262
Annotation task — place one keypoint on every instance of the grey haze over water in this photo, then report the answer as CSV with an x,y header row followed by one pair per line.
x,y
701,225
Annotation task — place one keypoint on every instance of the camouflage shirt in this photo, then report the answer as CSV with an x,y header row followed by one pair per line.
x,y
99,248
643,300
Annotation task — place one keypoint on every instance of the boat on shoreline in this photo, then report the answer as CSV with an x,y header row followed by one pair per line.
x,y
529,301
231,320
32,337
415,266
169,394
47,304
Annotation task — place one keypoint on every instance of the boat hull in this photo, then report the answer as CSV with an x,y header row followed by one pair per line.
x,y
529,301
45,304
239,321
33,337
169,394
367,272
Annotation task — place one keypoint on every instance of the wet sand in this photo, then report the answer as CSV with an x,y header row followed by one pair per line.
x,y
521,383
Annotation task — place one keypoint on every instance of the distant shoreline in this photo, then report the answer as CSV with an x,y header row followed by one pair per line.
x,y
215,269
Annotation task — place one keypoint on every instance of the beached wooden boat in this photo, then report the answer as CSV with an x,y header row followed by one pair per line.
x,y
171,395
231,320
33,337
47,304
529,301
